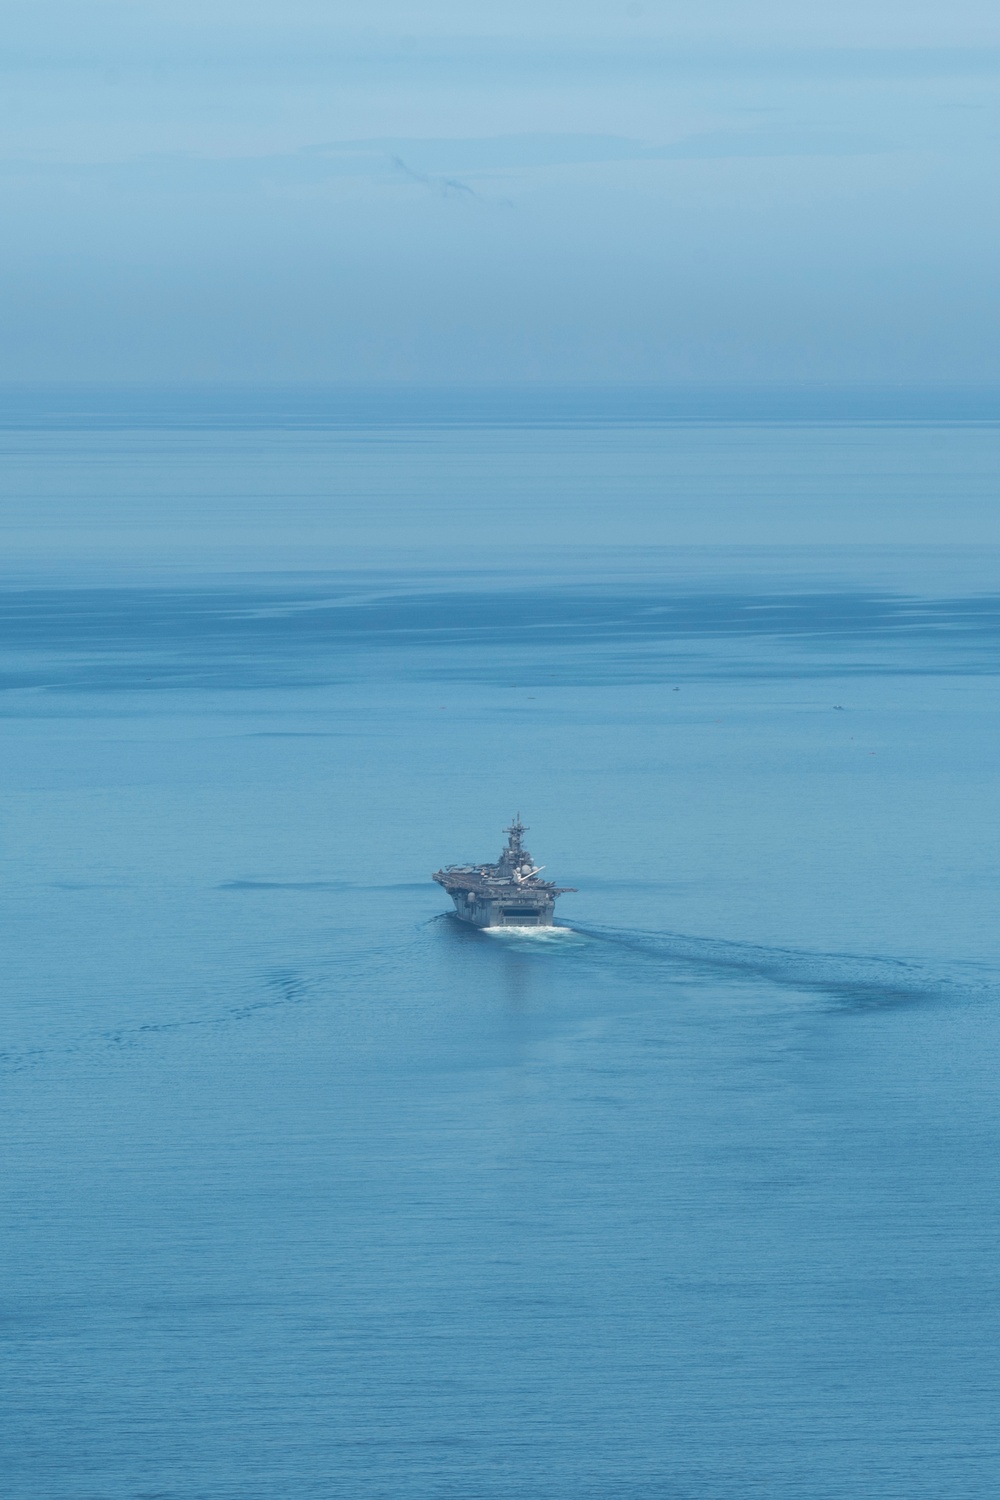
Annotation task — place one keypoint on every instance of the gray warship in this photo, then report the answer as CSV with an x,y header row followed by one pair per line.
x,y
507,894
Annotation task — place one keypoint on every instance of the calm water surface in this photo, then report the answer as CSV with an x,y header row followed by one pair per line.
x,y
308,1191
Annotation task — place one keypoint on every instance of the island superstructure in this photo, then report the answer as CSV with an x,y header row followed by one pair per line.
x,y
507,894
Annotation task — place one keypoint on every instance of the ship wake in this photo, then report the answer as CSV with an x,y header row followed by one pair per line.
x,y
861,980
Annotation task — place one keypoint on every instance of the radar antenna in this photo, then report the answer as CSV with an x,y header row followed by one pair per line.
x,y
515,835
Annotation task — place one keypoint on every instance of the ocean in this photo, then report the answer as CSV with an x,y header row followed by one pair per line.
x,y
309,1191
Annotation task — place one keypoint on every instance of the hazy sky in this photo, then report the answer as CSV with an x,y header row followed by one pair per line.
x,y
614,192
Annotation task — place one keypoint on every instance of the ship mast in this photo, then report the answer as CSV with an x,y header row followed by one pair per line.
x,y
515,840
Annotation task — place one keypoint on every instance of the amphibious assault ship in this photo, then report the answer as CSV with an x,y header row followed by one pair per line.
x,y
507,894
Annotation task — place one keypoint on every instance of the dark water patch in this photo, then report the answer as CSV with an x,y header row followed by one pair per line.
x,y
84,885
285,885
153,638
295,407
315,885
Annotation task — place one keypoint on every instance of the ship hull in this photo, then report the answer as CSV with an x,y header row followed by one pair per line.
x,y
503,911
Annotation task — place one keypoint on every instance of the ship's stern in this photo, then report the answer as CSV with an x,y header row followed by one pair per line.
x,y
492,910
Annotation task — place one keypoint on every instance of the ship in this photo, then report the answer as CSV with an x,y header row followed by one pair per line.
x,y
507,894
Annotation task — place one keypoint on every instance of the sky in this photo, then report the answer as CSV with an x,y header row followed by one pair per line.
x,y
621,193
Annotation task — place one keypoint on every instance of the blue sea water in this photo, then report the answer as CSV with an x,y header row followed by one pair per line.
x,y
308,1191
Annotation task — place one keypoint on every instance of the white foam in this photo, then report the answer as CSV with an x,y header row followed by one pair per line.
x,y
536,934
